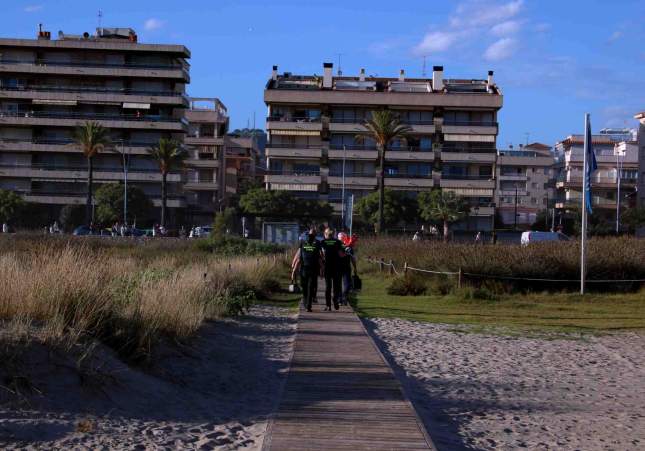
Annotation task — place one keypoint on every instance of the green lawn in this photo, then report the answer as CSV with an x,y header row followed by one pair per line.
x,y
558,312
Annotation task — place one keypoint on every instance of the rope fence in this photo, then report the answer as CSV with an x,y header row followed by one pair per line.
x,y
460,274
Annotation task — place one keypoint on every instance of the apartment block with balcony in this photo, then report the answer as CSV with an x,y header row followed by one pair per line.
x,y
50,86
641,160
218,163
617,158
525,183
318,143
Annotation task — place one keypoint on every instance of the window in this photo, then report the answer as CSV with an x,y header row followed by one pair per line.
x,y
534,185
533,200
547,171
485,171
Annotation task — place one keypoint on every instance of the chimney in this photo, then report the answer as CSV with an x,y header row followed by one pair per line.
x,y
490,79
437,78
43,35
402,75
327,75
274,73
361,76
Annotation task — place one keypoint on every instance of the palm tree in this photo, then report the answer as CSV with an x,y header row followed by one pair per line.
x,y
169,155
443,206
383,127
92,138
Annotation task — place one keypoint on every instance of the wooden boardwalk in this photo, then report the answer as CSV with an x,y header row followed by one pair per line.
x,y
340,393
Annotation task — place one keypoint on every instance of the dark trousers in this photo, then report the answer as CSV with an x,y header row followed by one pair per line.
x,y
309,283
347,285
332,284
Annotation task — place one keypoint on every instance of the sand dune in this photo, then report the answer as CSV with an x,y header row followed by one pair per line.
x,y
214,394
484,391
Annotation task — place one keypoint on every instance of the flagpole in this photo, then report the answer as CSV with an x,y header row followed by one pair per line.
x,y
583,239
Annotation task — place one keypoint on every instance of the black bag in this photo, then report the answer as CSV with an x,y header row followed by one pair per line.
x,y
357,283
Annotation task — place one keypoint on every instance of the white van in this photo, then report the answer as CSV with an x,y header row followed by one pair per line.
x,y
538,237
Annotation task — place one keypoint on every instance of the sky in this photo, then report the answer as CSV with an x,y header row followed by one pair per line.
x,y
554,60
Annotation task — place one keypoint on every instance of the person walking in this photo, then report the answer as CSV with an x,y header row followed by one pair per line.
x,y
478,238
332,251
307,261
347,262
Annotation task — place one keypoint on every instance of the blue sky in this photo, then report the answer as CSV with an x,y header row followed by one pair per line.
x,y
554,60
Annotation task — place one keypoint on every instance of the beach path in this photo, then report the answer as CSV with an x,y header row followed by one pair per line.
x,y
340,393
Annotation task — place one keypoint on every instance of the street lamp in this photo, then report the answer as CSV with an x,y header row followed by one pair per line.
x,y
126,163
619,169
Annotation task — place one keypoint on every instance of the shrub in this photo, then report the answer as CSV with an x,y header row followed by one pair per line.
x,y
408,285
235,246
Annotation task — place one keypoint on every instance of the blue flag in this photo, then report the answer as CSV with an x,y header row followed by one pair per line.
x,y
592,165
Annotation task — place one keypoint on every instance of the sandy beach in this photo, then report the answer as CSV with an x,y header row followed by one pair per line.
x,y
487,391
215,393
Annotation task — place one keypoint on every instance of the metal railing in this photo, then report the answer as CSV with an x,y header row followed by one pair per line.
x,y
97,116
100,90
410,149
68,167
352,147
339,173
470,123
465,177
43,62
294,173
67,141
293,146
406,175
490,150
292,119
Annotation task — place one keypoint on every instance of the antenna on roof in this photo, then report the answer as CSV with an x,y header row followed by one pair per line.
x,y
340,71
423,68
527,134
100,16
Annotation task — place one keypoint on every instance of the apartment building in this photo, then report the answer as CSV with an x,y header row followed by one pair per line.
x,y
525,183
50,86
313,124
217,164
617,158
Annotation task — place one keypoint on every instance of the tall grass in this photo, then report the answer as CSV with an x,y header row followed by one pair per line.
x,y
128,298
608,259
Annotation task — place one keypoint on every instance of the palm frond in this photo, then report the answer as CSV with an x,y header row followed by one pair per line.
x,y
169,154
92,138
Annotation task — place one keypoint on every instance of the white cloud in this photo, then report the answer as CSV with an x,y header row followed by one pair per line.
x,y
479,13
33,8
436,41
153,24
542,27
505,28
501,49
616,35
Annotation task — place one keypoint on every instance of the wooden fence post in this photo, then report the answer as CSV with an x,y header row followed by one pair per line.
x,y
405,268
459,278
391,267
380,265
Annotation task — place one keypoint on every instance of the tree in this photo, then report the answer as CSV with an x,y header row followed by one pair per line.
x,y
169,156
11,205
396,207
70,216
109,203
92,138
282,204
634,218
224,221
384,126
442,206
542,221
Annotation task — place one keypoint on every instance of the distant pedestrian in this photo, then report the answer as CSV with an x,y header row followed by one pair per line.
x,y
332,249
307,263
478,238
5,227
417,236
347,262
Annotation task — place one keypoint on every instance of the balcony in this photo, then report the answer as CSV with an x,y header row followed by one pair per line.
x,y
200,140
353,152
600,182
347,125
474,155
512,192
69,172
74,119
93,94
409,154
201,186
596,202
293,151
76,198
408,181
467,181
44,67
294,125
293,177
353,180
202,163
422,127
469,127
514,177
66,145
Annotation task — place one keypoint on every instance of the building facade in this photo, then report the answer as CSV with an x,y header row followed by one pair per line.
x,y
218,163
641,159
314,147
617,159
50,86
525,184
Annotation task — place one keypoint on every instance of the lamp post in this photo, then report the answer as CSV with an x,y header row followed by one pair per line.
x,y
515,210
342,195
619,169
126,163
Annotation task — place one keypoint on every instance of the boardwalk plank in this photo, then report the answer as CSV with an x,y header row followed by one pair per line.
x,y
340,393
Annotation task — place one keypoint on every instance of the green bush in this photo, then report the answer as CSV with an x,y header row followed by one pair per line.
x,y
441,285
408,285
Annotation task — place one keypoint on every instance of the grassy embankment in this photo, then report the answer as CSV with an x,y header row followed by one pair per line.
x,y
496,303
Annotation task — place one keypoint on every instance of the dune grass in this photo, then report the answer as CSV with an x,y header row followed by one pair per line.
x,y
565,312
130,297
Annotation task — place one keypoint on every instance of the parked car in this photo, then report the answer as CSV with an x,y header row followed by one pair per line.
x,y
538,237
82,231
202,232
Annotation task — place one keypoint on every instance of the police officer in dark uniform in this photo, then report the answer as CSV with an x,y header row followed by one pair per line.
x,y
308,260
332,249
